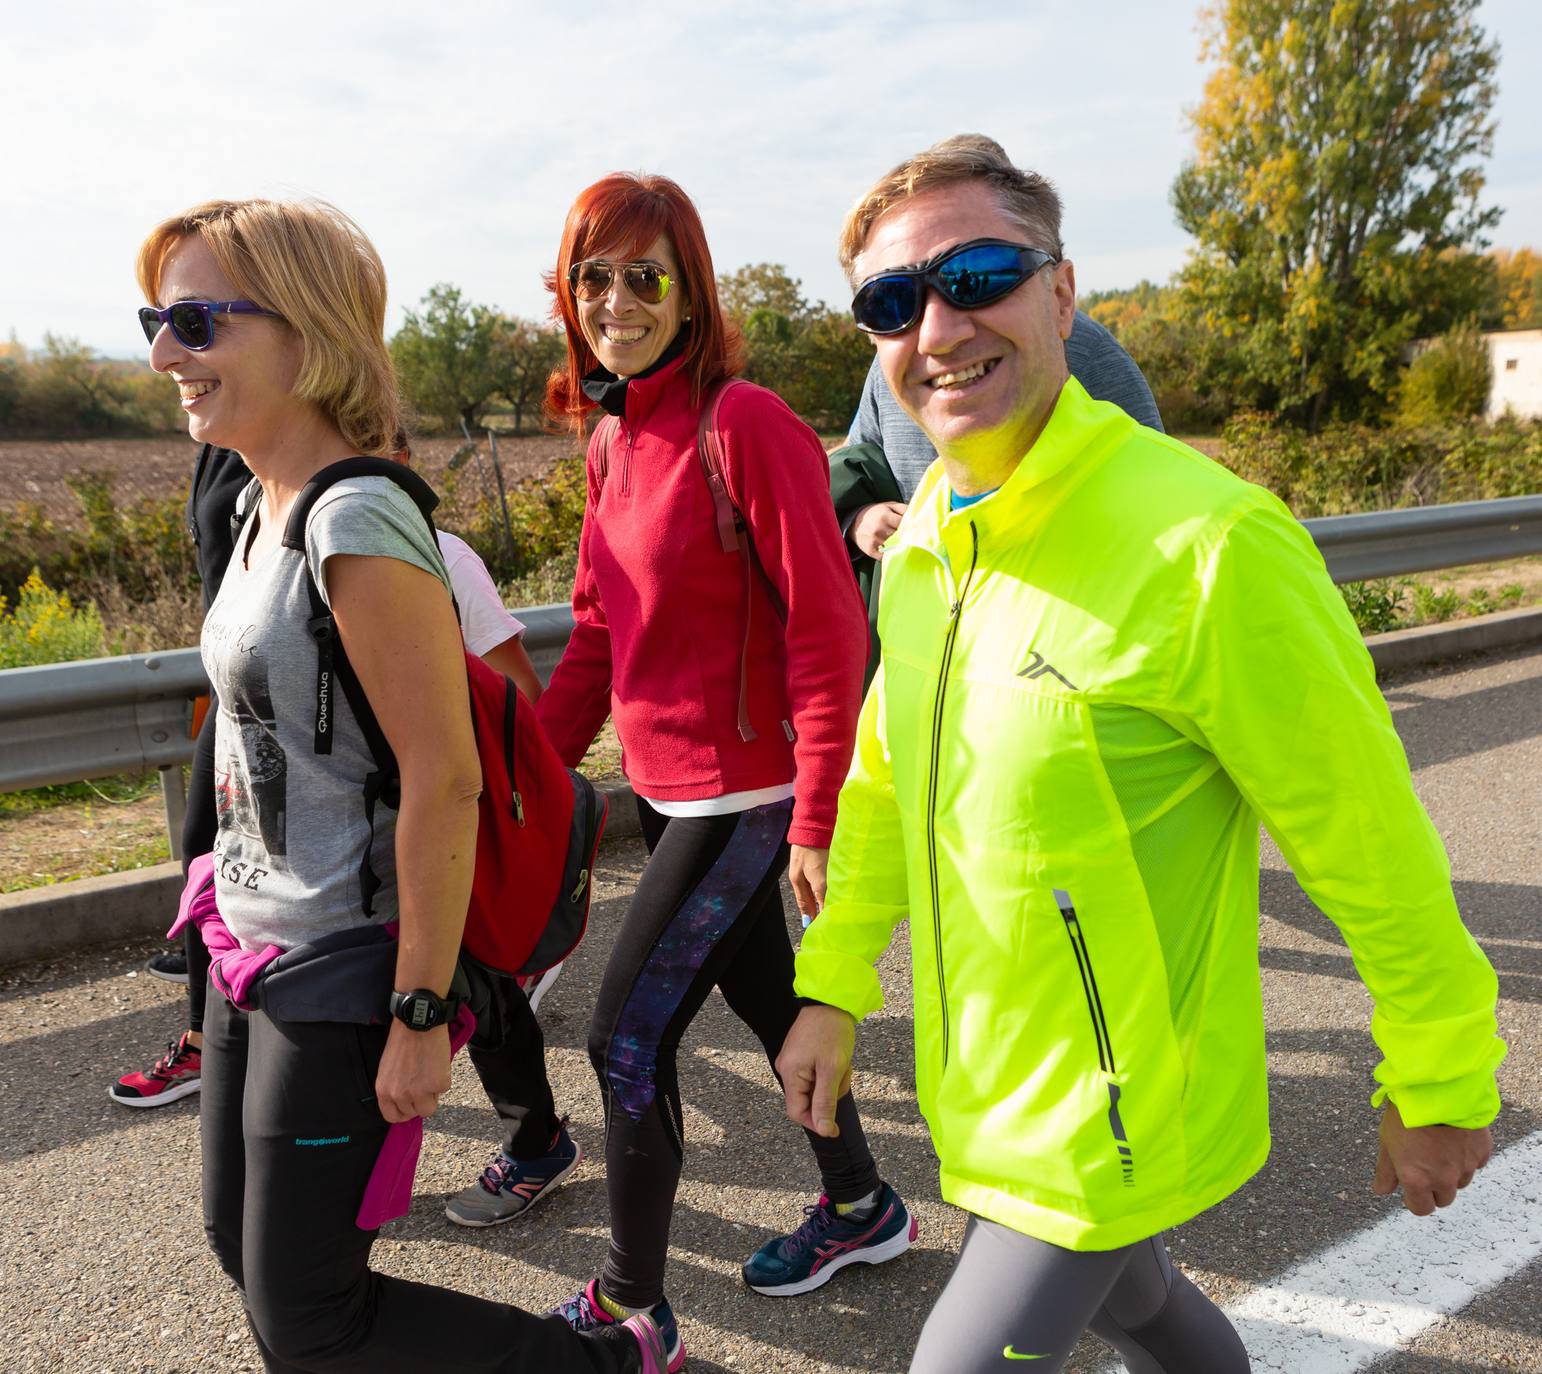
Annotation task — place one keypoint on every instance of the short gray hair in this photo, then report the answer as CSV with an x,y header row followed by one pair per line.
x,y
1025,197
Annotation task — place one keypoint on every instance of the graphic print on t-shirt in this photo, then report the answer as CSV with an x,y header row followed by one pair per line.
x,y
250,781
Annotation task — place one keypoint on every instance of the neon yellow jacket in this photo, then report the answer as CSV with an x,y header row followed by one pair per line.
x,y
1095,682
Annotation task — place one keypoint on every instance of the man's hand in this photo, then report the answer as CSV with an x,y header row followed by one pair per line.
x,y
815,1066
874,524
1430,1163
414,1072
806,869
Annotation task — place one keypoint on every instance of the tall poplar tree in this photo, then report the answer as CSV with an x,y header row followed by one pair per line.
x,y
1334,191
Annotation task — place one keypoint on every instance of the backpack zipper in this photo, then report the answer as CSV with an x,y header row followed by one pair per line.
x,y
510,709
955,614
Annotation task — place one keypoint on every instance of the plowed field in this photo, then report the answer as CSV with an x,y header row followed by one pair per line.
x,y
35,472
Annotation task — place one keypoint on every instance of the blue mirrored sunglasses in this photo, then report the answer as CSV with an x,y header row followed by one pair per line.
x,y
969,276
193,321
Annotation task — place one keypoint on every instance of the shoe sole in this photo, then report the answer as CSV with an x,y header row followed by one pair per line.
x,y
167,977
175,1094
557,1181
892,1248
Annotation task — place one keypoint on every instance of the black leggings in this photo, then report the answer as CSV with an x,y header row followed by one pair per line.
x,y
707,912
290,1134
200,825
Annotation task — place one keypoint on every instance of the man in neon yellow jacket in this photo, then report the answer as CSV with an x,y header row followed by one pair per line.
x,y
1105,659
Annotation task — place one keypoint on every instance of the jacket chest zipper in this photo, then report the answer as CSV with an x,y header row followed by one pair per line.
x,y
955,615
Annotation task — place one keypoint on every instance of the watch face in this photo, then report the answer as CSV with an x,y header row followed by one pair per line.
x,y
419,1010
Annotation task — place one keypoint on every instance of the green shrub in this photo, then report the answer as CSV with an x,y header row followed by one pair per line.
x,y
550,583
1434,604
1376,606
141,548
44,627
1356,467
545,517
1448,380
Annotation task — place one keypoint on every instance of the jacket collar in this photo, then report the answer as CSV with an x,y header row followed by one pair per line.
x,y
1071,432
634,398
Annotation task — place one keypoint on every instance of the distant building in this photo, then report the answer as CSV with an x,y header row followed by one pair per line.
x,y
1516,356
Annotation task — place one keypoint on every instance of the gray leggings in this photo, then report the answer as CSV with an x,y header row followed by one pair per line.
x,y
1012,1297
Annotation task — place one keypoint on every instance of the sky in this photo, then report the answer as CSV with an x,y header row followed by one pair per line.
x,y
457,133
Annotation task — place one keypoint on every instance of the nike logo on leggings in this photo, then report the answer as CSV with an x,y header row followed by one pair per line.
x,y
1010,1354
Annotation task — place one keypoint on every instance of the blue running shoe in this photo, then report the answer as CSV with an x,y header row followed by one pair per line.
x,y
827,1242
509,1187
584,1313
639,1342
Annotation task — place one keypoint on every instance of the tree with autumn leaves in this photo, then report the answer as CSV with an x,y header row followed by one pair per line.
x,y
1334,195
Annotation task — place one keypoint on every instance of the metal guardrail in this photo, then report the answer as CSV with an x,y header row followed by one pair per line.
x,y
70,721
1390,543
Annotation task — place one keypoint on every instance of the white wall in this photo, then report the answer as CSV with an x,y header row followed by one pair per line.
x,y
1516,356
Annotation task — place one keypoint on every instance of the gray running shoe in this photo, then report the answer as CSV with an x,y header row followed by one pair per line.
x,y
510,1187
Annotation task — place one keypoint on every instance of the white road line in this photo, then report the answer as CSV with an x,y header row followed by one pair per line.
x,y
1378,1290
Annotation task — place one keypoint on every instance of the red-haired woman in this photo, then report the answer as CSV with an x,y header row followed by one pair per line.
x,y
736,717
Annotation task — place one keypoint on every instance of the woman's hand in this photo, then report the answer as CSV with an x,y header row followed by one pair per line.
x,y
806,869
874,524
414,1072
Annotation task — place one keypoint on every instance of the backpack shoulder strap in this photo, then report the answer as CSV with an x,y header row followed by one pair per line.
x,y
709,451
332,667
733,532
423,496
605,435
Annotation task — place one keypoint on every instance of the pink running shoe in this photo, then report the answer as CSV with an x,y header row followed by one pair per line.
x,y
175,1074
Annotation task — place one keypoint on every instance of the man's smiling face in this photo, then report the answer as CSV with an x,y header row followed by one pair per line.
x,y
981,383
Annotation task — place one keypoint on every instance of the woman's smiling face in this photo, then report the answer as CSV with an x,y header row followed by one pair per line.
x,y
628,335
239,391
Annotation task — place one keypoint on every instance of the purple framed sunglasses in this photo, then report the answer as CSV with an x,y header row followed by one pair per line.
x,y
193,321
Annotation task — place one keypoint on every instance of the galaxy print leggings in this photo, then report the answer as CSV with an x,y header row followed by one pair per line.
x,y
707,912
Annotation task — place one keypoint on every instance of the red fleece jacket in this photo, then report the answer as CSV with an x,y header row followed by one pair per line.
x,y
659,611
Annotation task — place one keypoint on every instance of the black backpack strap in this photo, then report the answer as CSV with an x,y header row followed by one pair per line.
x,y
332,667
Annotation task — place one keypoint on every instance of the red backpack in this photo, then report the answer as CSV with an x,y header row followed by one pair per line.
x,y
538,822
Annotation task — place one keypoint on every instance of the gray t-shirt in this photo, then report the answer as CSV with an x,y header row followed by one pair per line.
x,y
293,831
1093,356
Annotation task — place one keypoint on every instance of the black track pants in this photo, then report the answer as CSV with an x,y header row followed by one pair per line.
x,y
290,1134
707,912
1012,1297
508,1052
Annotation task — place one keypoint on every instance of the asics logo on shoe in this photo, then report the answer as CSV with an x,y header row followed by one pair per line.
x,y
1039,666
1010,1354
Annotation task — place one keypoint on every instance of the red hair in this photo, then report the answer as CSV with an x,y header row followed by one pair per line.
x,y
624,213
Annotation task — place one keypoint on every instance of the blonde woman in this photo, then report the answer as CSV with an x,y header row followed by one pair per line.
x,y
269,316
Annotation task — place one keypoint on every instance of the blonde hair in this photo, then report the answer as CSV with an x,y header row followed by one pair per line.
x,y
1023,196
310,264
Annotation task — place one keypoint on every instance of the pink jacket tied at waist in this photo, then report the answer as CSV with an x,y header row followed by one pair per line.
x,y
234,971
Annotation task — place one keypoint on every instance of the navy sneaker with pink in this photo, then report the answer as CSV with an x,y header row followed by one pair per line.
x,y
585,1314
827,1242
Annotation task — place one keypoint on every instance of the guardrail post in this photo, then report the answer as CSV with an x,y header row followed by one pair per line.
x,y
174,799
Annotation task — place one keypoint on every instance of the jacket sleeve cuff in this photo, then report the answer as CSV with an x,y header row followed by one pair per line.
x,y
1442,1073
835,979
1470,1103
809,834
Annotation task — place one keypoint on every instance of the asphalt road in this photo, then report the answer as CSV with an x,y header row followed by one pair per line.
x,y
103,1265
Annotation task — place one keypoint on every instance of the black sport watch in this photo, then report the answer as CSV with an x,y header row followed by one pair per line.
x,y
421,1010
